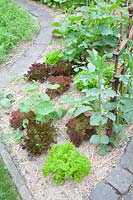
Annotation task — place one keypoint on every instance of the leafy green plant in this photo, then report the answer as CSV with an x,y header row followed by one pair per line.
x,y
79,83
35,114
14,134
15,25
65,162
52,58
64,4
42,107
90,27
6,100
62,81
97,102
92,76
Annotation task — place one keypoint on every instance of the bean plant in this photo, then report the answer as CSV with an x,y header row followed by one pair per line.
x,y
98,102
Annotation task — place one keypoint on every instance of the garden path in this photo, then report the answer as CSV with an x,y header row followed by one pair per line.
x,y
39,45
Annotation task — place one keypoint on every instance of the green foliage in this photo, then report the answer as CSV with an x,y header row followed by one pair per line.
x,y
6,100
90,27
14,134
97,101
79,83
65,162
43,108
52,58
7,188
15,25
35,114
92,77
64,4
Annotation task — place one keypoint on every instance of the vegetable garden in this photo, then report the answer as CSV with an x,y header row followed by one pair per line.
x,y
94,56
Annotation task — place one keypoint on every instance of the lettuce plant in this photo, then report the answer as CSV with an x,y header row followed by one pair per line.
x,y
63,82
52,58
87,78
65,162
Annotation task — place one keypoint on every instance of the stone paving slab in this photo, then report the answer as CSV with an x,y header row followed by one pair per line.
x,y
45,36
45,23
120,179
127,159
130,195
104,192
40,12
35,50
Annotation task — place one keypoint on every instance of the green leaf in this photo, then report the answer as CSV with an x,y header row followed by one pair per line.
x,y
123,137
82,109
32,88
92,92
45,108
118,127
123,78
111,116
5,102
60,113
91,67
126,101
110,106
95,119
104,149
25,123
9,96
109,93
52,86
68,100
44,97
24,107
75,17
104,139
56,24
114,142
95,139
104,29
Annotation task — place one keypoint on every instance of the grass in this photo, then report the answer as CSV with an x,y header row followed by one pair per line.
x,y
7,188
15,25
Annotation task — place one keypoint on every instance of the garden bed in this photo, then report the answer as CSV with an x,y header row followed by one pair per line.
x,y
31,167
